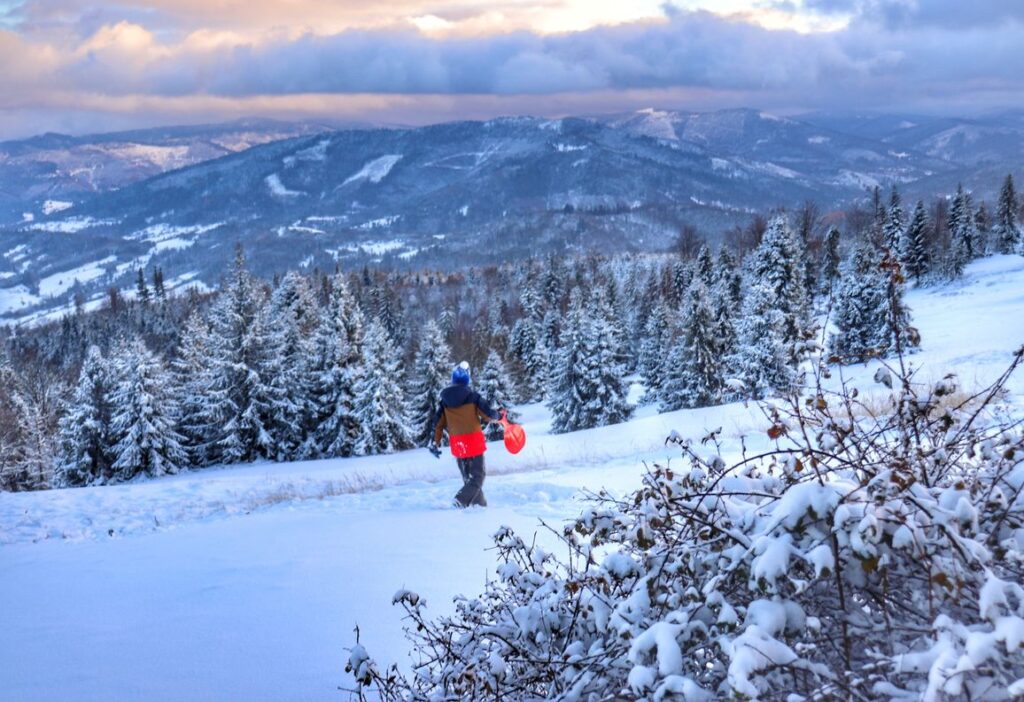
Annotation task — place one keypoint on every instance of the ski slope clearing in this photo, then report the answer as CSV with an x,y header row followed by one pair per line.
x,y
246,582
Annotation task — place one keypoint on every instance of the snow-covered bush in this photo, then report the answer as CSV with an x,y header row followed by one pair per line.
x,y
865,555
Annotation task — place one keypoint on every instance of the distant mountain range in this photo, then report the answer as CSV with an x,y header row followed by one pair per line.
x,y
80,214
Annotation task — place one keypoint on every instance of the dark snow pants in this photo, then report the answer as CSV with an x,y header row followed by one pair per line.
x,y
472,492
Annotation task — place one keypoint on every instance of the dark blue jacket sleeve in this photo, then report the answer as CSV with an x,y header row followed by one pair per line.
x,y
485,407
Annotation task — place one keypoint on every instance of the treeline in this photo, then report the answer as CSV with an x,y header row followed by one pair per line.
x,y
343,364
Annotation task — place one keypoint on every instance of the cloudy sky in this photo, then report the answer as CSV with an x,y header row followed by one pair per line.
x,y
98,65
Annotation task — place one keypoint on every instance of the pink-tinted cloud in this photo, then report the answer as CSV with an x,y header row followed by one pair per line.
x,y
397,73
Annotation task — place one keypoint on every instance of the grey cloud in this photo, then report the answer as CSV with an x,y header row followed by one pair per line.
x,y
948,14
864,66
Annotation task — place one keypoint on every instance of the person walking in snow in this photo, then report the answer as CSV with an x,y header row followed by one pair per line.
x,y
460,412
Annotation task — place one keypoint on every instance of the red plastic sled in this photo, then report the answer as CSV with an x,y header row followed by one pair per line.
x,y
515,435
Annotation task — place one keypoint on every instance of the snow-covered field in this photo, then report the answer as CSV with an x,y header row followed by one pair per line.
x,y
247,582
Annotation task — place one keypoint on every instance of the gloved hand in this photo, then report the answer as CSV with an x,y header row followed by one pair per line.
x,y
434,449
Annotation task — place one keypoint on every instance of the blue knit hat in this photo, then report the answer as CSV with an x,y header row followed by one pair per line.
x,y
460,376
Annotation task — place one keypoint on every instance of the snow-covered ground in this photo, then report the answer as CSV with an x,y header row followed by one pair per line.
x,y
247,582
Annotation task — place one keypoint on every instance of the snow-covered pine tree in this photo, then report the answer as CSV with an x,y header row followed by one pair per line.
x,y
143,419
726,312
876,232
242,400
586,387
870,315
12,440
915,256
85,428
447,320
336,368
605,306
983,227
550,331
894,333
807,220
693,376
681,275
778,269
861,294
193,372
657,341
895,222
762,359
141,289
380,400
964,245
495,385
38,442
530,300
704,267
388,309
291,321
158,284
728,283
430,373
1007,233
568,391
607,370
530,356
830,259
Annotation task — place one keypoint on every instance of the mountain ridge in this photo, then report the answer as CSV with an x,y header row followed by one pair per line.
x,y
471,192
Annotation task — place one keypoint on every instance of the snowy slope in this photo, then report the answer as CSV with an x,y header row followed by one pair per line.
x,y
246,583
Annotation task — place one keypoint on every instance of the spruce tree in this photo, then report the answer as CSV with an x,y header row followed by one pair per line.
x,y
871,317
38,449
694,374
379,401
11,448
894,332
27,449
915,256
859,298
158,284
983,228
682,274
895,222
964,243
726,313
531,357
607,370
85,428
830,260
728,283
586,387
778,269
430,373
242,400
762,359
704,267
141,289
193,370
657,340
1007,233
291,320
387,308
876,233
495,385
337,367
143,417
